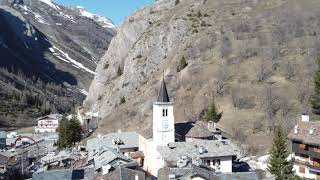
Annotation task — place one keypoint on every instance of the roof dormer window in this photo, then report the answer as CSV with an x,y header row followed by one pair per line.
x,y
311,131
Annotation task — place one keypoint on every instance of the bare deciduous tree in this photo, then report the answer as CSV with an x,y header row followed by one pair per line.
x,y
226,47
275,102
289,71
271,105
221,83
263,72
257,126
238,134
235,95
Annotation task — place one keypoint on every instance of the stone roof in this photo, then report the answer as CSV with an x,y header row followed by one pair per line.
x,y
125,171
163,93
106,155
65,174
186,172
128,139
51,117
197,149
237,176
203,172
303,133
199,130
3,135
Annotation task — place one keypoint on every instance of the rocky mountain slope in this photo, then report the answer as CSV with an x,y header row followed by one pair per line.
x,y
48,56
255,57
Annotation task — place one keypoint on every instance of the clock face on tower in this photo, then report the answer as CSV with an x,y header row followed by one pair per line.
x,y
165,125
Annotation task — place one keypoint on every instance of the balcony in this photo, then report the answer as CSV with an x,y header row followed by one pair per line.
x,y
315,152
313,165
300,149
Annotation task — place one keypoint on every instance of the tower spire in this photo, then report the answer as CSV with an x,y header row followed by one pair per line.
x,y
163,93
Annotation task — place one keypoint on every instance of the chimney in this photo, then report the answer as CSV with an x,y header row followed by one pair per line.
x,y
311,131
305,118
296,129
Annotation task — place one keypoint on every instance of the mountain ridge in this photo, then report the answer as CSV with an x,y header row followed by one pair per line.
x,y
47,47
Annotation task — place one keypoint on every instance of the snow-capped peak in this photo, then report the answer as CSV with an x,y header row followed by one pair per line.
x,y
85,13
100,19
49,2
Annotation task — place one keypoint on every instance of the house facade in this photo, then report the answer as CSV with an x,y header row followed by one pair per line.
x,y
48,124
305,137
211,153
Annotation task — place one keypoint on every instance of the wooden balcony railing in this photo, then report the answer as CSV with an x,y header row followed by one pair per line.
x,y
312,164
317,150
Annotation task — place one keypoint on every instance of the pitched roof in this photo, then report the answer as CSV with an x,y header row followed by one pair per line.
x,y
128,139
252,175
65,174
304,133
198,148
186,172
163,93
125,171
199,130
3,135
107,155
204,173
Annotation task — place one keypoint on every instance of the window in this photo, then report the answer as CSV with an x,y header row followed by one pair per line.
x,y
302,170
208,162
316,162
304,157
303,146
316,149
164,112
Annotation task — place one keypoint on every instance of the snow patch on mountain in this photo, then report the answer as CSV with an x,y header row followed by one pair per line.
x,y
83,91
85,13
106,22
40,19
66,16
68,59
48,2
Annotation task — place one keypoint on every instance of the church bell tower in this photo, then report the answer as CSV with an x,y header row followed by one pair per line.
x,y
163,119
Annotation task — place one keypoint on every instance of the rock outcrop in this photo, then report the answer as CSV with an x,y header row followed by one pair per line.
x,y
255,57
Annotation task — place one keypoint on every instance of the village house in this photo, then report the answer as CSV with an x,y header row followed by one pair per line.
x,y
199,130
305,137
129,171
214,154
198,147
48,124
88,120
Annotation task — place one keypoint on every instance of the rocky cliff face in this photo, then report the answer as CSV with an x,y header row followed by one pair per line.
x,y
255,57
48,57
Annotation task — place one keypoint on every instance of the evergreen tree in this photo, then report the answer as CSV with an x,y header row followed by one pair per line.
x,y
315,99
69,132
119,71
63,140
74,130
278,164
212,114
